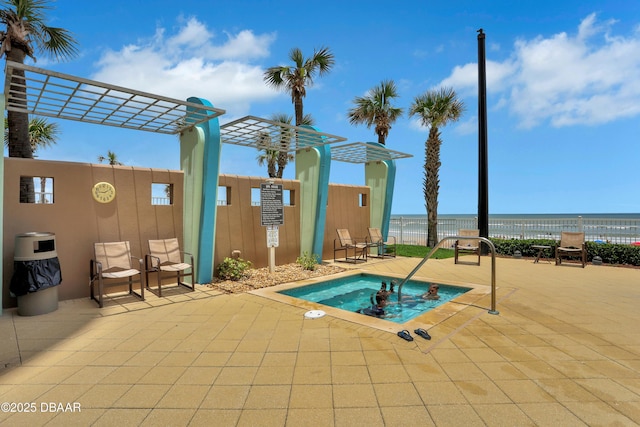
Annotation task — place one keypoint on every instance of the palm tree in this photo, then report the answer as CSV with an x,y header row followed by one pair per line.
x,y
295,79
269,155
375,108
273,157
435,109
111,157
41,134
26,30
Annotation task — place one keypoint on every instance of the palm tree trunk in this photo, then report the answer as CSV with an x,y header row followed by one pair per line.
x,y
282,155
282,163
43,188
298,108
19,144
271,166
431,184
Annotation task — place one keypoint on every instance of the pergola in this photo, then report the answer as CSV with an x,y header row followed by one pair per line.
x,y
41,92
62,96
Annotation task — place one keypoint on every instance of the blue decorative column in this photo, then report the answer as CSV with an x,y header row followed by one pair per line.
x,y
312,170
380,178
200,162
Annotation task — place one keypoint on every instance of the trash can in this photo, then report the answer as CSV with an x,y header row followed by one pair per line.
x,y
36,273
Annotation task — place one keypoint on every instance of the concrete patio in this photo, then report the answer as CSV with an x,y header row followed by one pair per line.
x,y
564,350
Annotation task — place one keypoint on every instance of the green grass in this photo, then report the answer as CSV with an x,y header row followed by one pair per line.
x,y
421,251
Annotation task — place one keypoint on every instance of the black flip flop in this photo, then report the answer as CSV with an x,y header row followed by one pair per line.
x,y
405,335
424,334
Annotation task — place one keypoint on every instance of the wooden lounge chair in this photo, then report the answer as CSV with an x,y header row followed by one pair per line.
x,y
165,256
345,243
113,261
467,246
571,245
385,248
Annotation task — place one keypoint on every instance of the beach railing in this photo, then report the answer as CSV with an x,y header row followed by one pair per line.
x,y
413,230
160,200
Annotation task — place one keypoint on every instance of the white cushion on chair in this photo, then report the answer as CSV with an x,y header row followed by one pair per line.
x,y
119,274
175,267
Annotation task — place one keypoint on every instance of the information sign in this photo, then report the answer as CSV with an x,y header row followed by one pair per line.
x,y
271,206
273,236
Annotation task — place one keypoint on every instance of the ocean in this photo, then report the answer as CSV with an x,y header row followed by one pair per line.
x,y
623,228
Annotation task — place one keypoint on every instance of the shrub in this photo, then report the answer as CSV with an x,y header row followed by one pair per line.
x,y
233,268
308,262
609,252
614,254
525,246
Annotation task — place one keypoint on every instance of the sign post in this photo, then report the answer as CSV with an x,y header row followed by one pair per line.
x,y
271,216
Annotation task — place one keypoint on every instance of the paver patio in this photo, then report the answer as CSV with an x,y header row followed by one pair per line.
x,y
564,350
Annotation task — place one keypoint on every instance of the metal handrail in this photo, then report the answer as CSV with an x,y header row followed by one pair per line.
x,y
437,246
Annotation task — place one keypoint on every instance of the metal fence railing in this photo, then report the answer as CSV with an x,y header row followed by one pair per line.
x,y
413,230
160,200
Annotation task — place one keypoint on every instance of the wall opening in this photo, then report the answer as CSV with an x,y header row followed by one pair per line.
x,y
288,197
255,196
42,189
224,196
161,194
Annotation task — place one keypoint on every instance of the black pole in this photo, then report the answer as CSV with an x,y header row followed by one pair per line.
x,y
483,174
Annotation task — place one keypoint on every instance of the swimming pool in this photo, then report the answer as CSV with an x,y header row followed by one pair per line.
x,y
355,292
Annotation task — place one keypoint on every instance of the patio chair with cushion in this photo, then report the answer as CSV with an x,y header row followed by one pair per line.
x,y
113,261
467,246
165,256
345,243
385,248
571,245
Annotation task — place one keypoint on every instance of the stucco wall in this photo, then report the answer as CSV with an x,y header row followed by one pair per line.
x,y
238,223
78,221
344,210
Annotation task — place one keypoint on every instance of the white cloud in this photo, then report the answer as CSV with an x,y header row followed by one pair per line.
x,y
190,63
416,124
467,127
464,79
589,78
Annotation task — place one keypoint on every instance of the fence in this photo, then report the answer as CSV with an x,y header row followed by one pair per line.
x,y
160,200
413,230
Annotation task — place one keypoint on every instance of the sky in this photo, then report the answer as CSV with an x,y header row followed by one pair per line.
x,y
563,88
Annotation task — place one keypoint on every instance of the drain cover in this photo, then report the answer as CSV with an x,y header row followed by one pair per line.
x,y
314,314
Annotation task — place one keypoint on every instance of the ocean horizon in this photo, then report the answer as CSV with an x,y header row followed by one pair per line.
x,y
598,227
534,215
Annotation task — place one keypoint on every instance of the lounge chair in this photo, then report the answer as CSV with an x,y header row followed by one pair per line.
x,y
113,261
571,245
165,256
345,243
467,246
385,248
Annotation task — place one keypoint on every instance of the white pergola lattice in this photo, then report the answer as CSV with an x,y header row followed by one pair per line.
x,y
251,131
63,96
361,152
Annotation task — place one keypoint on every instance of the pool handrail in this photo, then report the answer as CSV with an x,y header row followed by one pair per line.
x,y
437,246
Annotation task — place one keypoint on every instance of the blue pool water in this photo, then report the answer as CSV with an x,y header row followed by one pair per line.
x,y
355,293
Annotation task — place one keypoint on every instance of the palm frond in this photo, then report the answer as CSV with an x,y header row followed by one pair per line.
x,y
375,108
